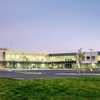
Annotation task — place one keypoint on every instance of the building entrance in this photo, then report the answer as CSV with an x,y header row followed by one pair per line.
x,y
68,65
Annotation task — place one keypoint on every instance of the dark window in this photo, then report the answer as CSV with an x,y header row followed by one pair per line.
x,y
3,55
88,57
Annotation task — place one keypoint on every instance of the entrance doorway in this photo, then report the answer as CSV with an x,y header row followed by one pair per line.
x,y
69,65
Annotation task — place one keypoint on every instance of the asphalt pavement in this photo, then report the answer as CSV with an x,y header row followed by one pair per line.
x,y
49,74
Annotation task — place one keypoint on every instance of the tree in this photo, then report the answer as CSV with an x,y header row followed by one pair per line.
x,y
52,64
26,59
80,58
4,63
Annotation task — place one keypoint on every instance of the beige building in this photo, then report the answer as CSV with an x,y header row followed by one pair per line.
x,y
28,59
2,55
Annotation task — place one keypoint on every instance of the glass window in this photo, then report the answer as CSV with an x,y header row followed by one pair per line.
x,y
99,58
88,58
93,57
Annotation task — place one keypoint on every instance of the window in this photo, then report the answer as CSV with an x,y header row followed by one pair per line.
x,y
88,58
93,58
98,58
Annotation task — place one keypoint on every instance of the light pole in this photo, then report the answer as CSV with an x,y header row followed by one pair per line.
x,y
91,58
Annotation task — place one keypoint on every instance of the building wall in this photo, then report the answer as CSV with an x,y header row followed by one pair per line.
x,y
88,54
58,60
2,51
87,63
18,56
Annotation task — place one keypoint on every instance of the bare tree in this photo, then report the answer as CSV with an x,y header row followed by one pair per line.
x,y
80,58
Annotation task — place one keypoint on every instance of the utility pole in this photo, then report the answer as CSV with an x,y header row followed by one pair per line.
x,y
91,58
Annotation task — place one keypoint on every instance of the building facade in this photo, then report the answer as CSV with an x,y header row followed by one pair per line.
x,y
15,59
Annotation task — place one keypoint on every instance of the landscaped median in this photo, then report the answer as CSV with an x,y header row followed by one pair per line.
x,y
50,89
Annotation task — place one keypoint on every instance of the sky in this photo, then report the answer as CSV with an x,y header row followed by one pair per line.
x,y
52,25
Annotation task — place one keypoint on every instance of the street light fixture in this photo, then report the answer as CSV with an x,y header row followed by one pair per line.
x,y
91,58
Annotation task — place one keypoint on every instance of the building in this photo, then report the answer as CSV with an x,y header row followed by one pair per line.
x,y
18,59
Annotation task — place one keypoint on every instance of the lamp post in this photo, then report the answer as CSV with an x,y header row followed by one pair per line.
x,y
91,58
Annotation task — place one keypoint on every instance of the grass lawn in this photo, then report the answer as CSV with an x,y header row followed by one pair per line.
x,y
50,89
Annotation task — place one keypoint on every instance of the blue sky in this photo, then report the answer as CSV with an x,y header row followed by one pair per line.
x,y
53,25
